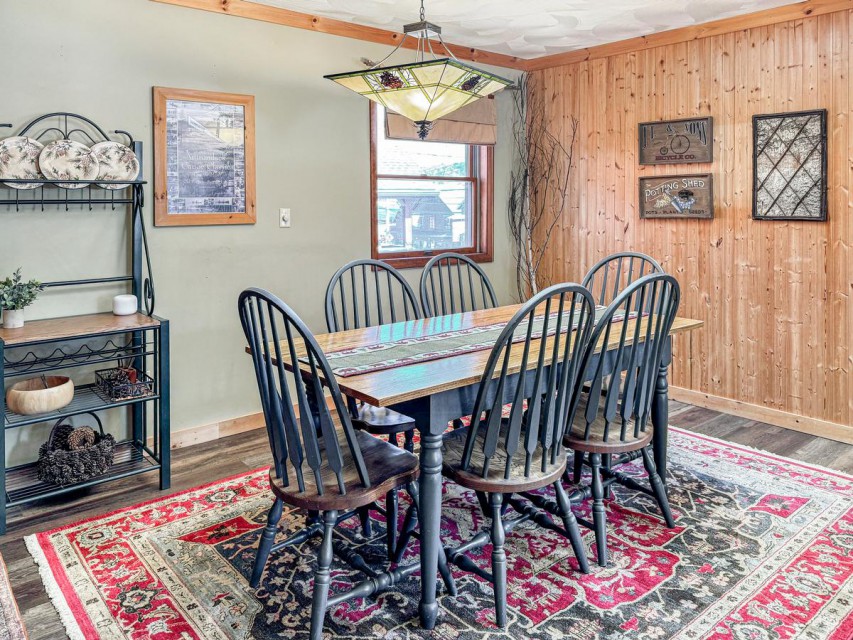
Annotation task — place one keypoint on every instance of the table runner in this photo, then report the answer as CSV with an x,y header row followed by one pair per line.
x,y
406,351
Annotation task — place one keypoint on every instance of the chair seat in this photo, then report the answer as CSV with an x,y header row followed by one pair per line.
x,y
381,421
453,445
388,467
574,438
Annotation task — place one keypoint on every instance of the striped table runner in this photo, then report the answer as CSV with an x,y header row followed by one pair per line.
x,y
399,353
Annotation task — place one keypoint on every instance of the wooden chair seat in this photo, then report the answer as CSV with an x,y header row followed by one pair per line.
x,y
574,438
389,467
453,445
381,421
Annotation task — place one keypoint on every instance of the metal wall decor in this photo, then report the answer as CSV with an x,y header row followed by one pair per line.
x,y
789,166
677,196
677,141
204,158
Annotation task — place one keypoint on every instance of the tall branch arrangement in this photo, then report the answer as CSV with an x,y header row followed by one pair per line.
x,y
539,184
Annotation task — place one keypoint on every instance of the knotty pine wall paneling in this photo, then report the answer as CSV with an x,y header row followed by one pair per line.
x,y
775,296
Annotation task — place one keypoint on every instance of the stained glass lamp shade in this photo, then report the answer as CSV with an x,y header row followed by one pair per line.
x,y
425,90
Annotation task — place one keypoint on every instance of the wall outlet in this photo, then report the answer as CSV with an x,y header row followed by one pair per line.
x,y
284,218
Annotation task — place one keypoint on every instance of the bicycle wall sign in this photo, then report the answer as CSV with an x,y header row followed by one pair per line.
x,y
677,141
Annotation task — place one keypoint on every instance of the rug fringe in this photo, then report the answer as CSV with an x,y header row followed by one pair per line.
x,y
53,590
769,454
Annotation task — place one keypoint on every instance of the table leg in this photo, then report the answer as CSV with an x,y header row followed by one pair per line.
x,y
660,412
430,522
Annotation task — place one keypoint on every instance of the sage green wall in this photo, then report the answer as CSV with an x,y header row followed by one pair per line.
x,y
100,58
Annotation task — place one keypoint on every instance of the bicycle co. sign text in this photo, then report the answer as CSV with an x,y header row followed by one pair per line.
x,y
677,141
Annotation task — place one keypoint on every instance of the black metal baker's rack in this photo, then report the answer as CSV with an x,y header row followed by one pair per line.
x,y
72,343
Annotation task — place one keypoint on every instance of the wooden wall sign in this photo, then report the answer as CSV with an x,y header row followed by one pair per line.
x,y
677,196
677,141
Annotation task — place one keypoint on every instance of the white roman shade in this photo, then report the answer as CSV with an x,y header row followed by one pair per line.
x,y
475,123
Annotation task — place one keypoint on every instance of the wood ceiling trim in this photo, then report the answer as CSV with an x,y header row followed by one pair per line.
x,y
276,15
763,18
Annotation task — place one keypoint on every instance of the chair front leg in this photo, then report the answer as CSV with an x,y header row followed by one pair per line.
x,y
364,517
265,544
570,523
498,558
322,578
658,487
599,515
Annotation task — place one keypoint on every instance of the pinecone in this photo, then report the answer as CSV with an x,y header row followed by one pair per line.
x,y
81,438
471,83
388,79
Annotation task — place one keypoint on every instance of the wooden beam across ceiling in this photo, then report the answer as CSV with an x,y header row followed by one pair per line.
x,y
785,13
319,24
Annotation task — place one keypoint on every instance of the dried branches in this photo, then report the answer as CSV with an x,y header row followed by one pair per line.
x,y
539,185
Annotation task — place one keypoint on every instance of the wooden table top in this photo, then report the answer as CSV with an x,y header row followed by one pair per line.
x,y
392,386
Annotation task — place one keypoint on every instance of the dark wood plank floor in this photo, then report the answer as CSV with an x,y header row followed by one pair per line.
x,y
207,462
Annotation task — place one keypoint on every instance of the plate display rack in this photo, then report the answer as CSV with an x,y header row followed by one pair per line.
x,y
79,345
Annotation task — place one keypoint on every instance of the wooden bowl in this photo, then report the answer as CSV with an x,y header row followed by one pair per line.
x,y
40,395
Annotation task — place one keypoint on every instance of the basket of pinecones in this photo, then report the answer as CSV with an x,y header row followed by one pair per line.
x,y
75,454
122,384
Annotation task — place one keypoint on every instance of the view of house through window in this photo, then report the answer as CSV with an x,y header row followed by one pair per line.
x,y
426,196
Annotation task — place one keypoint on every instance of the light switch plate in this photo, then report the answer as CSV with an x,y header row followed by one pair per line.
x,y
284,218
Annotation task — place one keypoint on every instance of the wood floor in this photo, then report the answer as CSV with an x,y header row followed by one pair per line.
x,y
207,462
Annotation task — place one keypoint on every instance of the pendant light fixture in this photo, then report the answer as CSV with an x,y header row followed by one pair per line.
x,y
425,90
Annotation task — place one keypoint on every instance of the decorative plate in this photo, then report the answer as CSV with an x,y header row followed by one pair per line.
x,y
115,162
68,160
19,160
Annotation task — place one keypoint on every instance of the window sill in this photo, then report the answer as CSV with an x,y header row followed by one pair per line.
x,y
418,261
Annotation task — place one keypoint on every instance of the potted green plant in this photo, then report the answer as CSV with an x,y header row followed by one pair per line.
x,y
15,295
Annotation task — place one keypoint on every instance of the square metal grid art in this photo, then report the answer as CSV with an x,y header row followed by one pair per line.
x,y
789,166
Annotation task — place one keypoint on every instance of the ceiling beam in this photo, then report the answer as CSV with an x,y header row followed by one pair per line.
x,y
798,11
319,24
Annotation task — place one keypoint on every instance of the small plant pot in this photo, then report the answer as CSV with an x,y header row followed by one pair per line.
x,y
13,318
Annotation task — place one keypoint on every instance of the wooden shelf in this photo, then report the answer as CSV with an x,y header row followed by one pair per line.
x,y
70,327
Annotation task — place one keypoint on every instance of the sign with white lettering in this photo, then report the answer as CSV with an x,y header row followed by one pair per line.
x,y
677,196
677,141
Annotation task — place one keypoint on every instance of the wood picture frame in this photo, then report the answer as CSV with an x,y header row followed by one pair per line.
x,y
683,197
789,166
684,141
204,158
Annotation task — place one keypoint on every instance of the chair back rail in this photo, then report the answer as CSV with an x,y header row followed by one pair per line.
x,y
621,386
556,325
366,293
308,440
615,272
453,283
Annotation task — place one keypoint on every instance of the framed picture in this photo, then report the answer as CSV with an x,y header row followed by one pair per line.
x,y
789,166
204,158
677,141
682,197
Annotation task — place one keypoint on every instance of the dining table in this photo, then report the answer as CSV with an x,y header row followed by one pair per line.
x,y
422,369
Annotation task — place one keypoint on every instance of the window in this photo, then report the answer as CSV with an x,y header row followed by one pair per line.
x,y
428,197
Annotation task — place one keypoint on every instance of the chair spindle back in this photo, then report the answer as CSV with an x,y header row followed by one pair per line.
x,y
552,327
453,283
308,442
614,273
622,383
366,293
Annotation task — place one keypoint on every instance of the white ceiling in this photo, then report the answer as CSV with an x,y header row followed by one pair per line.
x,y
532,28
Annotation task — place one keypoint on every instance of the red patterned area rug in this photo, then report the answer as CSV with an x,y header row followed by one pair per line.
x,y
763,550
